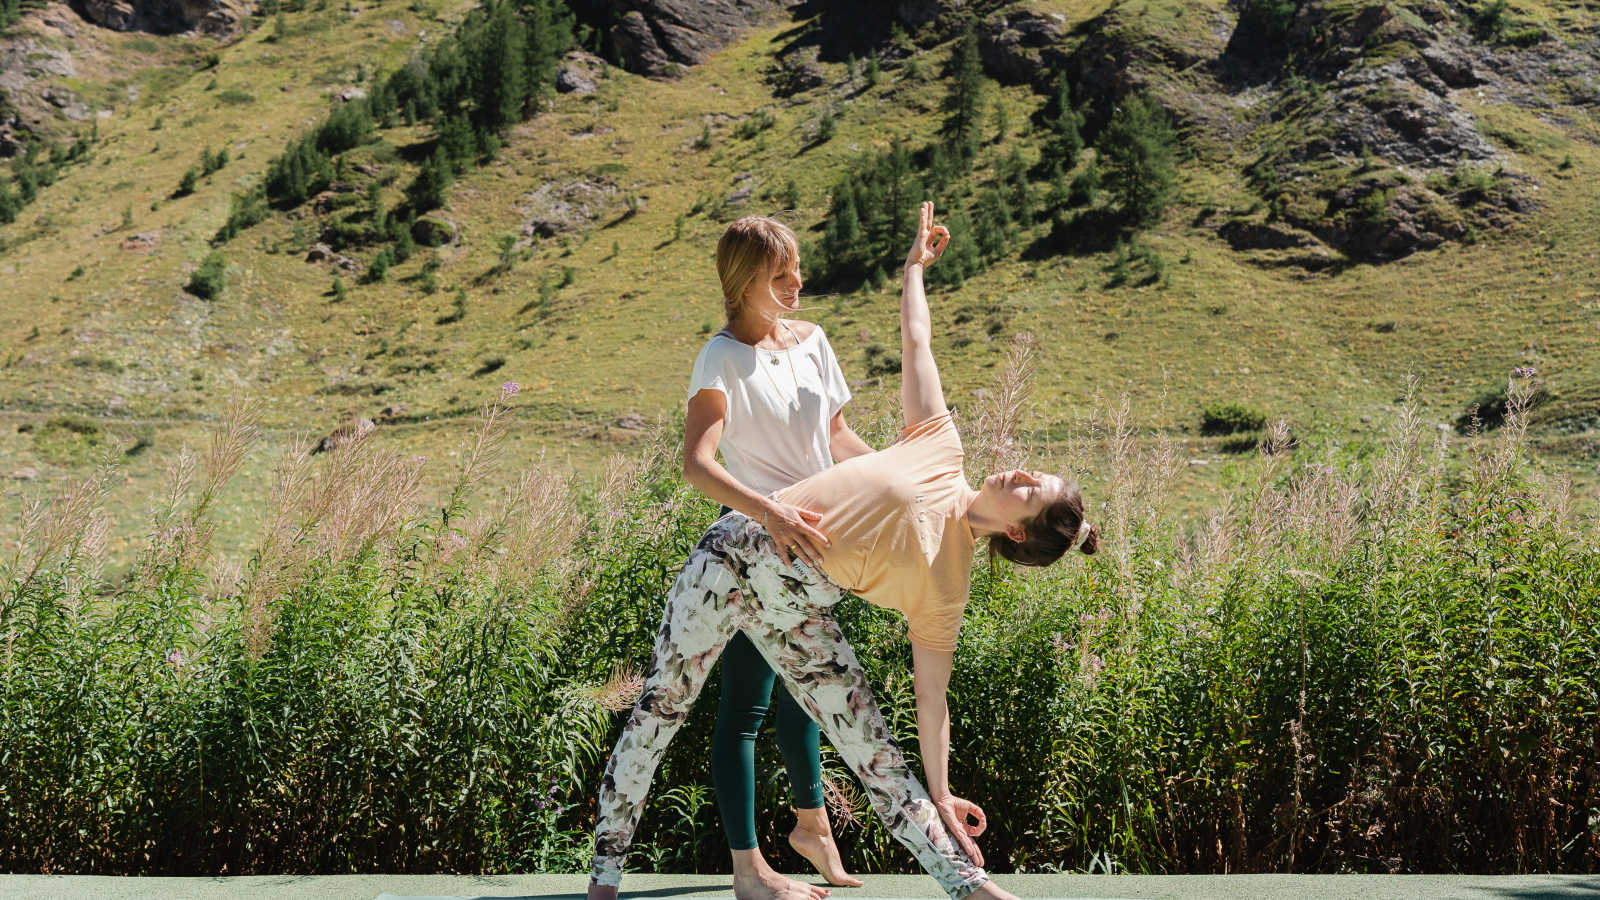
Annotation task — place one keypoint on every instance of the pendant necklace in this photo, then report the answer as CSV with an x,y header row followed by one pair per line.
x,y
793,379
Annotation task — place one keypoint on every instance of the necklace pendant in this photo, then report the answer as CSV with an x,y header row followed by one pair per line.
x,y
774,360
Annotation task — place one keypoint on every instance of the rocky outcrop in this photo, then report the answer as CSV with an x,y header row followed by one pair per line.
x,y
577,73
659,38
557,207
1019,45
212,18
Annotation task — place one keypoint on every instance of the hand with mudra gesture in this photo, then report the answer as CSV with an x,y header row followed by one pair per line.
x,y
930,241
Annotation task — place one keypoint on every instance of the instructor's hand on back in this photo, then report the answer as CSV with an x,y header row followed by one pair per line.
x,y
793,530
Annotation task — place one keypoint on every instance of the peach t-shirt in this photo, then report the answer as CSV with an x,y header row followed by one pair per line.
x,y
897,520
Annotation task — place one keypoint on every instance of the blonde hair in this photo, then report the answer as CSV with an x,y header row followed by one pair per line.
x,y
748,246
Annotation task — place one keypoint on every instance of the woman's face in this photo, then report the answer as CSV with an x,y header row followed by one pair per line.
x,y
778,283
1018,496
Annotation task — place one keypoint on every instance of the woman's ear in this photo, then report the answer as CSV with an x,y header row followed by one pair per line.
x,y
1016,533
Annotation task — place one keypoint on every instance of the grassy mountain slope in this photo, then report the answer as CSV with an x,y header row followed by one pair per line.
x,y
628,297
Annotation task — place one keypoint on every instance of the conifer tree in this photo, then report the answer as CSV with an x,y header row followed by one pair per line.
x,y
1138,145
497,65
1065,126
964,103
11,204
1085,189
432,183
458,141
550,36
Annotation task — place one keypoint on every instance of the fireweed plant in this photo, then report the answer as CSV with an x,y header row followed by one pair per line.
x,y
1377,656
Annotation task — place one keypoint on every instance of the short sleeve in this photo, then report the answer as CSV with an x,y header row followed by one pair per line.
x,y
709,371
835,388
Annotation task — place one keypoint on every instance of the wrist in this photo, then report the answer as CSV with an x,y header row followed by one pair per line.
x,y
914,265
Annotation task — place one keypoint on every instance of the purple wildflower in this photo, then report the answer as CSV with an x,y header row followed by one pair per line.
x,y
1524,372
510,388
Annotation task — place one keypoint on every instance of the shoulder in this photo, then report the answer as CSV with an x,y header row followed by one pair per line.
x,y
804,329
719,348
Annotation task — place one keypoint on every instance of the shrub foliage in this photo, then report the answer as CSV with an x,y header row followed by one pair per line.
x,y
1374,660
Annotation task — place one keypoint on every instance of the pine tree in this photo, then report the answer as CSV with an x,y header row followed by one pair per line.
x,y
497,65
187,183
10,203
432,184
1060,196
550,36
458,141
1139,145
964,103
1065,125
1085,189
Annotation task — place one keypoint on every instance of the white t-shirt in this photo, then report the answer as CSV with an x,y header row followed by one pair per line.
x,y
766,443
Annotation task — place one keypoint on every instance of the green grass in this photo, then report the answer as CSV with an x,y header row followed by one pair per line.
x,y
622,336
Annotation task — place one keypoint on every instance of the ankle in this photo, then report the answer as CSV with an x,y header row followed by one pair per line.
x,y
813,821
749,863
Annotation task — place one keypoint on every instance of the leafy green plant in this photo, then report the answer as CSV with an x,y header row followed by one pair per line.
x,y
209,280
402,685
1224,417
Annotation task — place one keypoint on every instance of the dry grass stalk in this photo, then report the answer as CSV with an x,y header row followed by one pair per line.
x,y
541,522
484,456
844,801
66,534
182,540
1399,472
998,419
620,691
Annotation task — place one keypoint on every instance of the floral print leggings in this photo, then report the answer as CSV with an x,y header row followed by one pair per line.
x,y
734,580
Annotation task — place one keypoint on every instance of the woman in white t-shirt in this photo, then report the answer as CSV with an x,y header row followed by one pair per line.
x,y
769,394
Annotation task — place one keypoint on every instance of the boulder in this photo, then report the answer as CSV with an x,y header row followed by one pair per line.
x,y
213,18
143,242
659,37
1020,44
355,429
1453,69
576,74
23,473
557,207
352,93
434,231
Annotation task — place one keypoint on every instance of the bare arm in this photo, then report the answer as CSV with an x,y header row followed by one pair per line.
x,y
922,396
932,673
790,526
843,441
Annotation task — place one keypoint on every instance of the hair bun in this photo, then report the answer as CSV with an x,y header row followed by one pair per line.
x,y
1091,543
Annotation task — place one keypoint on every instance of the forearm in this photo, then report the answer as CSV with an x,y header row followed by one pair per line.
x,y
931,670
933,735
715,482
916,329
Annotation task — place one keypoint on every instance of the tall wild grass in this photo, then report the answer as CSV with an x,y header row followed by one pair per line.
x,y
1372,656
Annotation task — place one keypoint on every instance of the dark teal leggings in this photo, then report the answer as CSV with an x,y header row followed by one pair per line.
x,y
746,693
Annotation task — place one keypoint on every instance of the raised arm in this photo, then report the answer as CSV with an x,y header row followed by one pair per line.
x,y
920,392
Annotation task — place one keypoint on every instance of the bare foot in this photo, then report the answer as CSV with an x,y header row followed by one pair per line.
x,y
602,892
813,838
769,885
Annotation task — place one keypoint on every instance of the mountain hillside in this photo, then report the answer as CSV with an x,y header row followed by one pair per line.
x,y
1359,192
